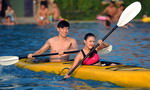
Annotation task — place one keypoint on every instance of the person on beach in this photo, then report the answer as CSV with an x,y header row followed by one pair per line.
x,y
10,12
59,44
92,59
42,15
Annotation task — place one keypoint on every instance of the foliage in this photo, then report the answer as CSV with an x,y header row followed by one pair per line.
x,y
88,9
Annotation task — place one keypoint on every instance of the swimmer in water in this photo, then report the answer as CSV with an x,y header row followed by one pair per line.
x,y
8,21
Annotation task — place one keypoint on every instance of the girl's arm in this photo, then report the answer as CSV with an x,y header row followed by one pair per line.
x,y
76,61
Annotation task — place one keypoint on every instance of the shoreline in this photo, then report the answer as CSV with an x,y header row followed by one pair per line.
x,y
31,20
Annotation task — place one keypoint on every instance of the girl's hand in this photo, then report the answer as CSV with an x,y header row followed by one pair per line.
x,y
67,76
100,42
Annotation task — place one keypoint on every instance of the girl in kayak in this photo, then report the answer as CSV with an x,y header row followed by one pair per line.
x,y
92,59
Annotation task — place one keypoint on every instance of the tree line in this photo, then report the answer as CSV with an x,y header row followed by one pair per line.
x,y
88,9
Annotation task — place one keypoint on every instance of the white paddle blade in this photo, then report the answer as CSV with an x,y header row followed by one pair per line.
x,y
129,13
105,50
8,60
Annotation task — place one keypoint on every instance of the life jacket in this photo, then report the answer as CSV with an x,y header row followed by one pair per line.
x,y
91,60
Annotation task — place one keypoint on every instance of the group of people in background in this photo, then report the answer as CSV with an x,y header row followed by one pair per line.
x,y
10,16
112,14
48,13
45,14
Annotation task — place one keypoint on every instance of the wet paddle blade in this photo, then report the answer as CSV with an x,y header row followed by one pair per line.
x,y
105,50
129,13
8,60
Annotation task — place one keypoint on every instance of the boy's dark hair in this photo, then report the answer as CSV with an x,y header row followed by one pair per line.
x,y
63,24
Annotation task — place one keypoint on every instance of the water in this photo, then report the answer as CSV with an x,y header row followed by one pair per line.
x,y
130,46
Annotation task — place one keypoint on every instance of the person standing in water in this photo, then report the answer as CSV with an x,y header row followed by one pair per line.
x,y
118,14
59,44
110,12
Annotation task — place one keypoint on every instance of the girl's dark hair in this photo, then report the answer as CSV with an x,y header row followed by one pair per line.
x,y
63,24
88,35
85,38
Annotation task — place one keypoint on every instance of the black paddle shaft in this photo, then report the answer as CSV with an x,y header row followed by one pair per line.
x,y
91,51
51,54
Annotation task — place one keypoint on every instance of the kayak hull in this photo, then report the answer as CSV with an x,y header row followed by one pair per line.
x,y
121,75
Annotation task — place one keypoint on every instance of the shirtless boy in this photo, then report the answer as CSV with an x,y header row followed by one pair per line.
x,y
42,15
110,12
59,44
118,14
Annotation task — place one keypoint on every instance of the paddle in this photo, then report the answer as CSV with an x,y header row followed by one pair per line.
x,y
9,60
127,15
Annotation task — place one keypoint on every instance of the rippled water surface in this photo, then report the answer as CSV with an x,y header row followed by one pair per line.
x,y
130,46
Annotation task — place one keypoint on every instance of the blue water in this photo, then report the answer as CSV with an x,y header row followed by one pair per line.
x,y
130,46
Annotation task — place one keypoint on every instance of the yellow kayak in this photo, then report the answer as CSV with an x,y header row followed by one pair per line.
x,y
146,19
121,75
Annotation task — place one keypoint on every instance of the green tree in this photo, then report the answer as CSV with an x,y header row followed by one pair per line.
x,y
88,9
